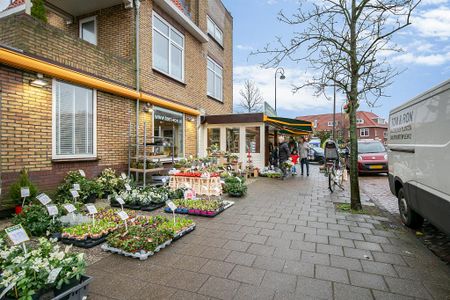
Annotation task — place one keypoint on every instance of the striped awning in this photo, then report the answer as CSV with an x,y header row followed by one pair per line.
x,y
290,126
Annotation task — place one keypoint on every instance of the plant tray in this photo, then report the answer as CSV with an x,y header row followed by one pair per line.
x,y
142,255
181,211
184,232
88,243
152,206
200,213
132,207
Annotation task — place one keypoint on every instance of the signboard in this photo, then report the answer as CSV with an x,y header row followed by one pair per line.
x,y
24,192
171,205
127,187
401,127
82,173
269,110
167,116
120,201
74,193
76,186
53,275
92,210
123,215
70,208
52,210
17,234
123,176
44,199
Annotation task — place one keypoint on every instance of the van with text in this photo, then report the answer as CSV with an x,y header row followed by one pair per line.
x,y
419,158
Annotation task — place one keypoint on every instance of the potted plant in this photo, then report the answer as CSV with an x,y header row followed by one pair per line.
x,y
36,221
15,190
236,189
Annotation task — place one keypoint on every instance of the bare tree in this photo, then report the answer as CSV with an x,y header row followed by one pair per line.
x,y
251,97
346,43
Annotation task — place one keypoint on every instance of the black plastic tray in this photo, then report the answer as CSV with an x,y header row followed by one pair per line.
x,y
153,207
89,243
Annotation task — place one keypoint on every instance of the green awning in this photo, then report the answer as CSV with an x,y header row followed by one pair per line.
x,y
290,126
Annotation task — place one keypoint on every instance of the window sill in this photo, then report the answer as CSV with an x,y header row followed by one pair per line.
x,y
175,80
215,99
79,159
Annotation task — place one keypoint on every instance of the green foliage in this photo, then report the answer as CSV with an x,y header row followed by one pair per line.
x,y
38,10
323,135
23,181
236,189
89,189
36,221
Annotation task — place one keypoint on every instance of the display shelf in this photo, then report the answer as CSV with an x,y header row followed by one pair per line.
x,y
147,170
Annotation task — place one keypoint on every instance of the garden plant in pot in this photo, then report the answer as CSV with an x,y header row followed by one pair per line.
x,y
36,221
89,189
15,190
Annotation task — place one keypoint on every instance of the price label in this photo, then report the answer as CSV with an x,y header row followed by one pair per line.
x,y
52,210
24,192
76,186
92,210
70,208
74,193
44,199
82,173
123,176
171,205
17,234
120,201
127,187
123,215
53,275
239,179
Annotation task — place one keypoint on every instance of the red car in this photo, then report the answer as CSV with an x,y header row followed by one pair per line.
x,y
372,157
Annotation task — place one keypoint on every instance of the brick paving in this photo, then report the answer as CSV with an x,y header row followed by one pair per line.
x,y
283,241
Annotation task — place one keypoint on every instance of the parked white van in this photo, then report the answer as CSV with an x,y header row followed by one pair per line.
x,y
419,158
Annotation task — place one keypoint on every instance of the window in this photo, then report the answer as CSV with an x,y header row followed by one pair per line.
x,y
359,121
330,123
88,30
214,137
74,123
215,80
233,140
364,132
215,31
168,48
252,139
169,124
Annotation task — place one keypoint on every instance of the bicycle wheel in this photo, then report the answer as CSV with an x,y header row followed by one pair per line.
x,y
331,179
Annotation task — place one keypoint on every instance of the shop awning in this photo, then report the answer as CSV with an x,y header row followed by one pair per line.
x,y
290,126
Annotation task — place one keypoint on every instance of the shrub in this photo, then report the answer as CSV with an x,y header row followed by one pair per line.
x,y
23,181
236,189
38,10
36,220
89,189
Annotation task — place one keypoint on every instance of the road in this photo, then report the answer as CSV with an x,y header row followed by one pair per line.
x,y
377,187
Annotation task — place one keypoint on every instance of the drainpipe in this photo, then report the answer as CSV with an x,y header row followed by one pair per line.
x,y
137,4
1,182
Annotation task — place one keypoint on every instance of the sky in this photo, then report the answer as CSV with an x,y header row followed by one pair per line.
x,y
425,60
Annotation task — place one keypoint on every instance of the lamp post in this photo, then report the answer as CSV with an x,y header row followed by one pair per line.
x,y
282,77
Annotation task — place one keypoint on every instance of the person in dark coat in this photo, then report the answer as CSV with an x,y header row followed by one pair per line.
x,y
283,153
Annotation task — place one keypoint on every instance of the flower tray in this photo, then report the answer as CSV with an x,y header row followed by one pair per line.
x,y
114,203
71,291
133,207
88,243
142,255
197,212
177,211
182,233
152,206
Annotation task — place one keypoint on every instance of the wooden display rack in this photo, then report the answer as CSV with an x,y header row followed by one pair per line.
x,y
202,186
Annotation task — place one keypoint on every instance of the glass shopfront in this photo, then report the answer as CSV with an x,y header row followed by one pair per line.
x,y
170,124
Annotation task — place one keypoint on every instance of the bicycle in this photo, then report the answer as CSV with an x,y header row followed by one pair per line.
x,y
335,172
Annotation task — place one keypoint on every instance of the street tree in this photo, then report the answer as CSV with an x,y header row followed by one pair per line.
x,y
346,44
251,99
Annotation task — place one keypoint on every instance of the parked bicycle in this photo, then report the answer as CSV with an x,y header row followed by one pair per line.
x,y
334,168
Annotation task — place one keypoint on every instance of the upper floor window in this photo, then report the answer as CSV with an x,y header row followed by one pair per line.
x,y
168,48
364,132
215,80
215,31
330,123
88,29
74,122
359,121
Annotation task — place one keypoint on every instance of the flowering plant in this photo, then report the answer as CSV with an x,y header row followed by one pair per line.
x,y
29,273
36,221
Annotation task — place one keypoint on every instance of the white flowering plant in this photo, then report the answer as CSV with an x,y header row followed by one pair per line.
x,y
109,182
29,273
144,196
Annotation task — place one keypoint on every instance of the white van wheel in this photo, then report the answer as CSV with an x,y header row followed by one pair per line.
x,y
408,216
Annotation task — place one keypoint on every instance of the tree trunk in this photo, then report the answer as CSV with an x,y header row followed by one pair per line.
x,y
355,199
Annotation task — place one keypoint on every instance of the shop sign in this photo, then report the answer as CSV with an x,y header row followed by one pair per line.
x,y
269,110
168,116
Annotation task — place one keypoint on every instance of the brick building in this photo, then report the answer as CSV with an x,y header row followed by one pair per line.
x,y
72,85
370,126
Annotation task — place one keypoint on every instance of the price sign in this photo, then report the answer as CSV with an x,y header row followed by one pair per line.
x,y
120,201
123,176
189,194
127,187
74,193
171,205
53,275
123,215
44,199
92,210
17,234
82,173
52,210
76,186
70,208
24,192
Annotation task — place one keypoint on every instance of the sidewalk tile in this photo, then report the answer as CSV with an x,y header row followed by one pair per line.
x,y
254,238
219,288
247,274
236,245
241,258
346,292
367,280
315,258
217,268
331,274
261,250
269,263
279,281
314,287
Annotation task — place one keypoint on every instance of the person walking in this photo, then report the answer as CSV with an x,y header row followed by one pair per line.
x,y
283,153
304,149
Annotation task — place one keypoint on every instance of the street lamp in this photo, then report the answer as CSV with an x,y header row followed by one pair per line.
x,y
282,77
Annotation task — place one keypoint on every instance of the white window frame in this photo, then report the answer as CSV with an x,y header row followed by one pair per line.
x,y
94,125
363,130
183,127
171,42
330,123
220,75
214,31
359,121
86,20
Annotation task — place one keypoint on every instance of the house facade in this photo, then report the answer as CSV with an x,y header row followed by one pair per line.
x,y
369,125
76,86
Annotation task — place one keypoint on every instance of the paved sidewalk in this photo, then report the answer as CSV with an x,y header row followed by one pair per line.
x,y
283,241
